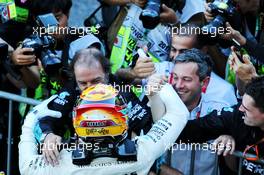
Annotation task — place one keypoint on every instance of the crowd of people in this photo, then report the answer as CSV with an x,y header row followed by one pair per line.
x,y
184,73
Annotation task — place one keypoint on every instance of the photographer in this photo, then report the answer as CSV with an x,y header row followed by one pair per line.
x,y
53,76
13,31
24,59
249,33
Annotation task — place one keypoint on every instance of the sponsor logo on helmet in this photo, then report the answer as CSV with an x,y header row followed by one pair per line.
x,y
100,123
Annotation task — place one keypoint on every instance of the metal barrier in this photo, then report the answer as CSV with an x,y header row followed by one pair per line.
x,y
237,154
13,97
242,157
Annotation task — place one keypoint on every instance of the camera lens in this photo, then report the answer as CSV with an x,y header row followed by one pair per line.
x,y
150,15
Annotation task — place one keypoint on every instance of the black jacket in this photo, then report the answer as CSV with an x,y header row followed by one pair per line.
x,y
229,122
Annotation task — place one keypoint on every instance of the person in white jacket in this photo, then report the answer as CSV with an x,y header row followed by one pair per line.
x,y
149,147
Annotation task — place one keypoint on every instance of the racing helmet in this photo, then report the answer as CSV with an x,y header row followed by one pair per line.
x,y
100,118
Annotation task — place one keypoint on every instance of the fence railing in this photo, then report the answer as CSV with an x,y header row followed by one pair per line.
x,y
11,98
242,157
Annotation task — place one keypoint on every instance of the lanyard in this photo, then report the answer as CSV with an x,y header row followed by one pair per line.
x,y
198,114
258,26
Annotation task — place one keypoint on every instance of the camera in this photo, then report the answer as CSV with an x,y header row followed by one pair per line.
x,y
222,11
44,50
150,16
44,44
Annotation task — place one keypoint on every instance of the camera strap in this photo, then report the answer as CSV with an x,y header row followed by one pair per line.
x,y
259,30
258,25
261,21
